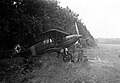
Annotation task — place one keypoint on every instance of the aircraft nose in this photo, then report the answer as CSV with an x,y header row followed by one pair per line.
x,y
73,36
78,36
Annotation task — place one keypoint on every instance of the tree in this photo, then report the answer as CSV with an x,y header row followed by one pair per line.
x,y
22,21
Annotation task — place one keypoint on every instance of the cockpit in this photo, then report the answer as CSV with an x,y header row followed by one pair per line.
x,y
47,41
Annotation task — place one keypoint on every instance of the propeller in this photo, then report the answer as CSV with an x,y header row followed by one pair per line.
x,y
77,31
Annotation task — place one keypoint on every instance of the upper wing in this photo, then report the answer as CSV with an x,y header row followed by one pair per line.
x,y
52,34
55,31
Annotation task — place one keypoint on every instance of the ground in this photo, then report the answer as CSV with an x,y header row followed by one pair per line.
x,y
103,66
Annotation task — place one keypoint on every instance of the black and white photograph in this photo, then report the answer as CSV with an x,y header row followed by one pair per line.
x,y
59,41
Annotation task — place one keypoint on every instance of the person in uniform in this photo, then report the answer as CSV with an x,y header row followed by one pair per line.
x,y
79,52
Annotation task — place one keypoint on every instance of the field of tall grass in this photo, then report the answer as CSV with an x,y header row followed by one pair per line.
x,y
103,66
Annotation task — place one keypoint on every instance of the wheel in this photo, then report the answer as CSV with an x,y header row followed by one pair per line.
x,y
67,57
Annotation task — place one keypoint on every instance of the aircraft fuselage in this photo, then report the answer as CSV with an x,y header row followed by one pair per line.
x,y
41,48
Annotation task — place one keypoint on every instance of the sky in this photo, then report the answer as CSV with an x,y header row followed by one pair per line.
x,y
101,17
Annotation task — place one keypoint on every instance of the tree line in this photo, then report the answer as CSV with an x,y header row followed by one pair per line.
x,y
22,22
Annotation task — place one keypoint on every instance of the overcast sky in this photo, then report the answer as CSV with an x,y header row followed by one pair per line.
x,y
102,17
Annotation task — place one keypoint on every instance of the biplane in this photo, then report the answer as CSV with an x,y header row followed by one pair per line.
x,y
51,41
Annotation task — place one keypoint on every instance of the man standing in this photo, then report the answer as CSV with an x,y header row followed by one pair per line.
x,y
77,52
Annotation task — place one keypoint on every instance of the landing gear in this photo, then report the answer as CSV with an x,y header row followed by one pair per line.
x,y
65,55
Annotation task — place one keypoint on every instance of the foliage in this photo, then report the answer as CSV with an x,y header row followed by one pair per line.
x,y
22,21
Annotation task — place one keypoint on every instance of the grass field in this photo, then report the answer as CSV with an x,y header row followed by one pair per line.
x,y
108,52
103,66
105,62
